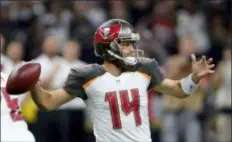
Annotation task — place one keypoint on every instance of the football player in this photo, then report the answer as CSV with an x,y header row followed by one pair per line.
x,y
117,90
13,127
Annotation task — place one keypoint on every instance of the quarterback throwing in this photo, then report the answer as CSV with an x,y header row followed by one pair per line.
x,y
117,90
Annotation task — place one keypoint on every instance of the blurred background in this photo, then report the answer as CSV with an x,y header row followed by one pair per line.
x,y
59,35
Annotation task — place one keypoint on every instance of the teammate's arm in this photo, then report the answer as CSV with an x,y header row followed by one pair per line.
x,y
188,85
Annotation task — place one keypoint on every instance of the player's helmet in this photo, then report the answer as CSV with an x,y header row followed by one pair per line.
x,y
108,37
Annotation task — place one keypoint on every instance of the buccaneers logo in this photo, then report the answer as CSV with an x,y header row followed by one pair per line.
x,y
105,34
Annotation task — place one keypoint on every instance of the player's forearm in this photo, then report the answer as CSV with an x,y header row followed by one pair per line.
x,y
178,88
189,84
185,87
179,92
171,87
41,97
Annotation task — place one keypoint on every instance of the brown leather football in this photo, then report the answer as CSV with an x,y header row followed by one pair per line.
x,y
23,77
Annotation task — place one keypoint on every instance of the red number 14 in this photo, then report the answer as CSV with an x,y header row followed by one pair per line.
x,y
127,106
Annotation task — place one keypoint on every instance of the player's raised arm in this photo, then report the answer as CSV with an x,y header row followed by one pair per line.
x,y
188,85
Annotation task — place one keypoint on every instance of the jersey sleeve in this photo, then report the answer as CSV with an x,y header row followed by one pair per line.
x,y
74,82
152,68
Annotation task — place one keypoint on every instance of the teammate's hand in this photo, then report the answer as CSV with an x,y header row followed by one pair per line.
x,y
201,68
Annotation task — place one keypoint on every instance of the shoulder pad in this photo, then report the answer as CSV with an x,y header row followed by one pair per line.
x,y
145,61
87,72
83,70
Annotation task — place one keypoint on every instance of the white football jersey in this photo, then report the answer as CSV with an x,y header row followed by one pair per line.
x,y
12,123
6,64
119,105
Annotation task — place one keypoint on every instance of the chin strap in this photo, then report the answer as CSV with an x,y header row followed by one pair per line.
x,y
128,60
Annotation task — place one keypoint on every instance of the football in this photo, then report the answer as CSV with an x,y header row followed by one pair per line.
x,y
23,77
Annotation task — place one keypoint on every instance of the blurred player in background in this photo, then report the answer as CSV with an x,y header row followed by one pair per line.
x,y
71,53
222,81
6,63
49,60
15,52
116,92
13,127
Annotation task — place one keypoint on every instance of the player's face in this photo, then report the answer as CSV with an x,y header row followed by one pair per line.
x,y
127,49
15,51
71,51
50,45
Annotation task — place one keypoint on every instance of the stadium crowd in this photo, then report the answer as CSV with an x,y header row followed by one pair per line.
x,y
59,35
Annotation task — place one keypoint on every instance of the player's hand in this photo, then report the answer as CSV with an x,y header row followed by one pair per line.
x,y
201,68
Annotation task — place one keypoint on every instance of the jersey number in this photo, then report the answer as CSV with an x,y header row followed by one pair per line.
x,y
127,106
12,105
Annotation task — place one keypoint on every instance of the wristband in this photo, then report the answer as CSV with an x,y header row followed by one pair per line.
x,y
188,86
